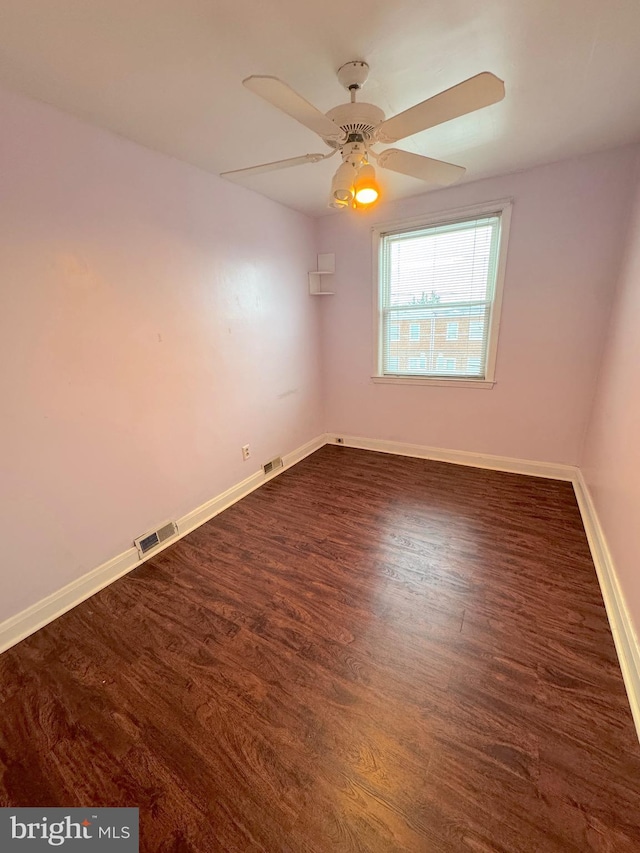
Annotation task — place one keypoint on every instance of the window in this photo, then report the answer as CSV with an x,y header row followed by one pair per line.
x,y
476,330
441,280
445,365
417,362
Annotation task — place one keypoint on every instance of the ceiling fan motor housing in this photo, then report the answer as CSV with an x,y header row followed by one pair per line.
x,y
355,153
356,118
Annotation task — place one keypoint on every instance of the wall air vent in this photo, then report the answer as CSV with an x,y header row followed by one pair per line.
x,y
155,538
270,466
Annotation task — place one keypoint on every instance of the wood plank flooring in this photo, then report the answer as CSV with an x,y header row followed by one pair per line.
x,y
370,653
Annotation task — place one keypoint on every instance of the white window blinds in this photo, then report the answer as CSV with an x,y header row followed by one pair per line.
x,y
441,279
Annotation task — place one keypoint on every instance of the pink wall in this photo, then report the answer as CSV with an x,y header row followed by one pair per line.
x,y
611,458
154,318
566,236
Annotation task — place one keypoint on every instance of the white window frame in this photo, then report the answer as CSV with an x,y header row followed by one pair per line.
x,y
443,217
413,326
449,333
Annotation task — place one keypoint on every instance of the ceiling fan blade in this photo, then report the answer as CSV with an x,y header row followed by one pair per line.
x,y
473,94
277,164
417,166
279,95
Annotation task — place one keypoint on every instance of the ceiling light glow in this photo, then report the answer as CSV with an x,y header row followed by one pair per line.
x,y
366,189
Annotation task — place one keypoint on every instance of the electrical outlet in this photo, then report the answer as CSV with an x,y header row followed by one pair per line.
x,y
339,440
246,453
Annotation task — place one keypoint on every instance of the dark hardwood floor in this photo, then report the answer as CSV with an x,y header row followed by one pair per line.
x,y
370,653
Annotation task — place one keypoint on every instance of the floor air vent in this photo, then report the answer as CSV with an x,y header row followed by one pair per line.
x,y
270,466
151,540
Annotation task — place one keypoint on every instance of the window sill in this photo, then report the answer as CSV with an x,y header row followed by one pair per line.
x,y
430,380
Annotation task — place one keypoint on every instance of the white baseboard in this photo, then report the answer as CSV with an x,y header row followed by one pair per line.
x,y
551,470
215,506
624,635
17,627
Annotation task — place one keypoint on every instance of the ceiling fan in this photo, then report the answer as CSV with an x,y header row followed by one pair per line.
x,y
354,128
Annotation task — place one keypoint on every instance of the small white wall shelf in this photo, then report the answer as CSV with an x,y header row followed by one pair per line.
x,y
319,278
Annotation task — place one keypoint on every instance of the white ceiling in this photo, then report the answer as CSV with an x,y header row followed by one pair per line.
x,y
167,74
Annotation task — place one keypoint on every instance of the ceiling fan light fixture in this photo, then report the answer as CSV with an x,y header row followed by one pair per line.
x,y
366,189
342,185
355,128
336,204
